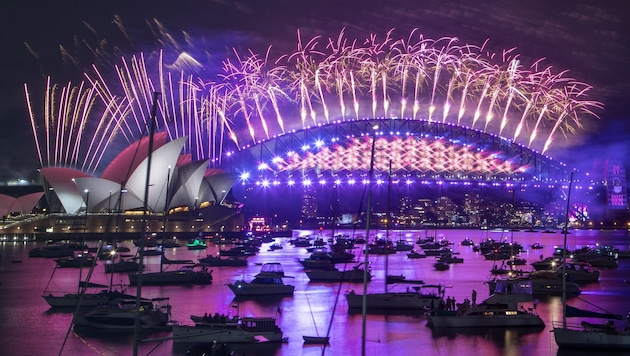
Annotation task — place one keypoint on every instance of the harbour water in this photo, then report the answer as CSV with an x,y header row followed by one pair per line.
x,y
30,327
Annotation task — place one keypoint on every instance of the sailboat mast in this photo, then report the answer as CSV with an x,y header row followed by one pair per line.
x,y
367,243
168,182
136,331
564,256
389,192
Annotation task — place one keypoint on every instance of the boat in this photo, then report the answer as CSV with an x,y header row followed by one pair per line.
x,y
403,245
194,274
499,270
318,259
236,251
355,274
122,266
546,263
411,299
302,241
415,254
152,315
391,279
467,242
267,282
586,335
449,258
218,261
110,250
75,261
86,299
497,255
169,243
196,244
167,261
436,251
381,247
517,262
545,283
441,266
601,261
579,272
243,330
504,308
319,340
536,246
52,250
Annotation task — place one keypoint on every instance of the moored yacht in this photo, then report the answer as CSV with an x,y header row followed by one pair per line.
x,y
412,299
243,330
355,274
502,309
545,283
122,316
589,335
267,282
197,274
232,261
87,299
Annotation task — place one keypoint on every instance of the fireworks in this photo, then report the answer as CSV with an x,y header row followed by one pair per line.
x,y
256,97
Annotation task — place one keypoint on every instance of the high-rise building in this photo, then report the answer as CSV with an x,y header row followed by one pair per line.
x,y
309,206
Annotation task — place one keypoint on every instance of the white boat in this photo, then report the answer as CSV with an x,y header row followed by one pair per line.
x,y
355,274
580,272
546,282
198,274
245,330
502,309
412,299
267,282
592,336
317,259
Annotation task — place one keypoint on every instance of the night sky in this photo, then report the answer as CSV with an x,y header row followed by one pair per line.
x,y
63,38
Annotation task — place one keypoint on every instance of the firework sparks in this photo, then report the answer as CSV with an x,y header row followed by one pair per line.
x,y
256,98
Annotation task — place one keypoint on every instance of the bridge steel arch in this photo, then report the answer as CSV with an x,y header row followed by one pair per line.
x,y
527,166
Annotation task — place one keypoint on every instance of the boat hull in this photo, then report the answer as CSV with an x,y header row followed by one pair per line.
x,y
246,290
320,340
574,338
403,300
90,300
226,333
337,276
465,321
172,277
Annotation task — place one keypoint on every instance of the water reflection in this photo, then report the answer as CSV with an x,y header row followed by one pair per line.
x,y
501,336
310,310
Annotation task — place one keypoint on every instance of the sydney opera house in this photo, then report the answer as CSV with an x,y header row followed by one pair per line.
x,y
184,197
